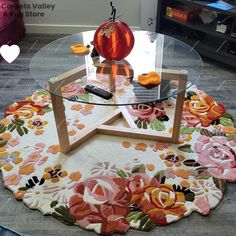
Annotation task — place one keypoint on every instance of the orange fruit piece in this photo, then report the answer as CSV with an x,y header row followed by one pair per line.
x,y
152,78
79,49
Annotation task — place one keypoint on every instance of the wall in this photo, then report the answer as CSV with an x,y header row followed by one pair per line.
x,y
148,14
71,16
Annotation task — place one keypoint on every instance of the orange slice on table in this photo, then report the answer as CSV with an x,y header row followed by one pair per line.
x,y
150,79
80,49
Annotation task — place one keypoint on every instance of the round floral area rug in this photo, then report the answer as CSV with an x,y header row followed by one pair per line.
x,y
111,184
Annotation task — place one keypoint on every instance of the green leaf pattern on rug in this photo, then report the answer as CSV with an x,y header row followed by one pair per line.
x,y
18,125
186,148
220,184
231,137
141,124
3,128
3,142
191,163
53,204
228,116
62,213
140,220
226,121
139,169
157,125
85,97
123,174
189,130
160,176
189,197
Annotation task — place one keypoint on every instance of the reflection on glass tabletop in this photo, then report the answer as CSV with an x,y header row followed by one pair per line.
x,y
151,52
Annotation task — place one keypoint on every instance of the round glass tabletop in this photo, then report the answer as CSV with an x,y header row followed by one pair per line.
x,y
151,52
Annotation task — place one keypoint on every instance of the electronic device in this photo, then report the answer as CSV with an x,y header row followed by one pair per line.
x,y
98,91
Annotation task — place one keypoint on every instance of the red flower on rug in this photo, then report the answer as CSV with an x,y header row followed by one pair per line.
x,y
148,112
205,109
218,154
101,200
160,202
138,183
24,109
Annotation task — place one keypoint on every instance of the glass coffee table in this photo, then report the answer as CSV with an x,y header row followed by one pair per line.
x,y
54,67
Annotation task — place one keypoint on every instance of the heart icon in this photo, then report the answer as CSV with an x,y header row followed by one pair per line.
x,y
10,53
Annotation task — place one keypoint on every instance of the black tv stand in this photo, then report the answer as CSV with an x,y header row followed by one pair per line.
x,y
203,37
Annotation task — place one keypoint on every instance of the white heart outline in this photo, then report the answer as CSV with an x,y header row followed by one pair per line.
x,y
10,53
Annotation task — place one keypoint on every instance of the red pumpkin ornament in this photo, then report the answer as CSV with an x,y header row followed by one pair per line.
x,y
114,40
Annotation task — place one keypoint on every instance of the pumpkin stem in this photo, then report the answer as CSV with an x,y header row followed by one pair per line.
x,y
113,12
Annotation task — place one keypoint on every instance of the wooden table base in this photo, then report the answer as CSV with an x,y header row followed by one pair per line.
x,y
104,126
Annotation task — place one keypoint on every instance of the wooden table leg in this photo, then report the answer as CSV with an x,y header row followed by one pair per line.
x,y
179,108
60,119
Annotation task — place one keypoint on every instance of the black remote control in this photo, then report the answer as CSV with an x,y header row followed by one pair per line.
x,y
98,91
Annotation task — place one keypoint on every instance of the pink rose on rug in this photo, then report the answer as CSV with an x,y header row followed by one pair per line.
x,y
148,112
138,182
219,155
101,200
13,179
72,89
189,119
